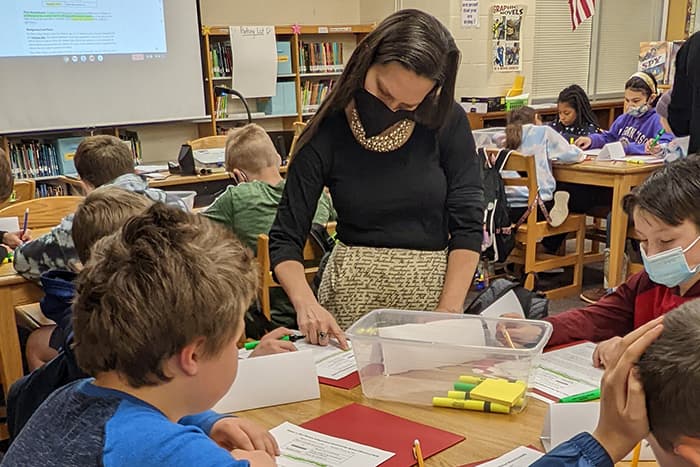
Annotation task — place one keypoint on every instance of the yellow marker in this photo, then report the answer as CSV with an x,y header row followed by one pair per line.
x,y
468,404
471,379
464,395
635,161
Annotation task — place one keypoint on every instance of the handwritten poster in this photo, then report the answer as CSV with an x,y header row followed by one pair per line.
x,y
254,60
470,13
506,27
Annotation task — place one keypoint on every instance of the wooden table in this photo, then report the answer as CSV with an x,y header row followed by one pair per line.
x,y
621,177
487,435
14,290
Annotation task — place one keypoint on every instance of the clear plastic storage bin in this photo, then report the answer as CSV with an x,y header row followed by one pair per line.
x,y
414,356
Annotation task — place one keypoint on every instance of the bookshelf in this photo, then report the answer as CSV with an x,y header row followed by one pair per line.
x,y
40,156
310,79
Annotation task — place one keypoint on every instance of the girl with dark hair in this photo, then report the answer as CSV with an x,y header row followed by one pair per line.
x,y
575,115
398,156
639,125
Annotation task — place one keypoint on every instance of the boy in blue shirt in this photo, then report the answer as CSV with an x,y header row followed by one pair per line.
x,y
650,392
161,352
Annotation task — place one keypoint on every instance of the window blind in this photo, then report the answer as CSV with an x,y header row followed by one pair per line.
x,y
562,56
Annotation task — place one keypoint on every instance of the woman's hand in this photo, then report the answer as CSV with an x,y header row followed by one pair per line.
x,y
318,325
584,142
606,353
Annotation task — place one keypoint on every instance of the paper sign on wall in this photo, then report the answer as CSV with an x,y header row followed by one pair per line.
x,y
470,13
506,27
254,60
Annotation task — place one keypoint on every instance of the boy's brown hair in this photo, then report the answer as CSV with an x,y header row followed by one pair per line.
x,y
671,193
102,213
166,278
101,159
670,374
7,180
250,149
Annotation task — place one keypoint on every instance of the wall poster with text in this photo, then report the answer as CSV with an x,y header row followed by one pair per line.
x,y
506,31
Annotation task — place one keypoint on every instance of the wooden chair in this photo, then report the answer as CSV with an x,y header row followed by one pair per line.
x,y
75,184
44,213
312,257
208,142
533,231
298,128
23,190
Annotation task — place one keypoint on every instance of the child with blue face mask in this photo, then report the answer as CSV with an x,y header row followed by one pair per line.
x,y
666,214
638,125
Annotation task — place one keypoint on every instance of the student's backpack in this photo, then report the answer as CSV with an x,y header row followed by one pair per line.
x,y
535,305
499,238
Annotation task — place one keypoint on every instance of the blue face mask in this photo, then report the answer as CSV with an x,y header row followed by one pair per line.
x,y
669,268
638,111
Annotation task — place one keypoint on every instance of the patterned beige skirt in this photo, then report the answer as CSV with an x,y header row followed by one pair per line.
x,y
358,280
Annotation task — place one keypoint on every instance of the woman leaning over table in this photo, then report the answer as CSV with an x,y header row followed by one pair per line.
x,y
397,153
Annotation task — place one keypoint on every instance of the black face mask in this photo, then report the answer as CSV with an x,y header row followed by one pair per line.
x,y
375,115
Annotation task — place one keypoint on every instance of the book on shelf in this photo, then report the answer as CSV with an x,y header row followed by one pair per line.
x,y
222,106
321,57
32,159
221,59
659,59
44,189
313,93
53,158
131,139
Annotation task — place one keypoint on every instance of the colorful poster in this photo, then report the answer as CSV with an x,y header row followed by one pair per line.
x,y
470,13
506,27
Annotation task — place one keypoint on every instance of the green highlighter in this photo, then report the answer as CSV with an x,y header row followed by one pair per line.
x,y
253,344
583,397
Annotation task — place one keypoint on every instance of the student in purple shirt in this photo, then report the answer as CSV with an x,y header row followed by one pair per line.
x,y
639,125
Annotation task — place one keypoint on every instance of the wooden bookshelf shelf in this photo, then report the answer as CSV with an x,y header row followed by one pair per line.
x,y
216,39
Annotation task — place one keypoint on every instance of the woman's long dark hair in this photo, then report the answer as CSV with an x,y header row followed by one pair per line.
x,y
577,99
416,40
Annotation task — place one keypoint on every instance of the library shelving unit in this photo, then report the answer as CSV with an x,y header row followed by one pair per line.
x,y
41,156
308,80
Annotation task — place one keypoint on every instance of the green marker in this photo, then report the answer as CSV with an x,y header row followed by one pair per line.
x,y
466,387
253,344
656,138
583,397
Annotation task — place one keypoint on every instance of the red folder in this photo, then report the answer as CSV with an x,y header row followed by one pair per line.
x,y
382,430
350,381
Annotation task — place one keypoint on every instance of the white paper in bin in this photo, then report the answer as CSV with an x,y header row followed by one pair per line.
x,y
411,356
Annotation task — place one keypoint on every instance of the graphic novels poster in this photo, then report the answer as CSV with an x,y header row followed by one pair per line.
x,y
506,27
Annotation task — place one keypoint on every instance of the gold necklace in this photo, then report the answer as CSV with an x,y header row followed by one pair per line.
x,y
388,140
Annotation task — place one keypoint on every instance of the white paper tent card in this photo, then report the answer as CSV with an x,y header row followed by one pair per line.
x,y
272,380
564,421
612,151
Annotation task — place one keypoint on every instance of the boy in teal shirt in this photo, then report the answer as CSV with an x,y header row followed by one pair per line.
x,y
249,208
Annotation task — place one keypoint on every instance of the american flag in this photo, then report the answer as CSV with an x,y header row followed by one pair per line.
x,y
580,11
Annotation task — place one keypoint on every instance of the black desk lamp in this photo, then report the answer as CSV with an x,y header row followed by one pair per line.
x,y
223,90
